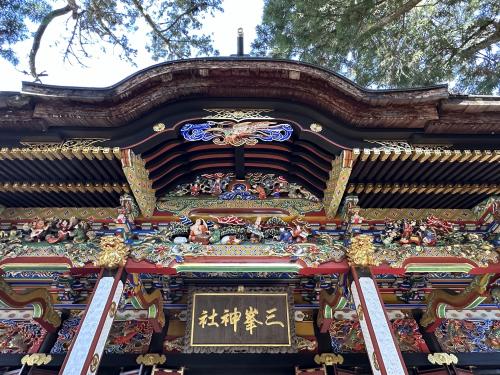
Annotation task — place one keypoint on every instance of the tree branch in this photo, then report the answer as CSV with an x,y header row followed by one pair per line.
x,y
492,39
381,22
39,34
179,17
150,21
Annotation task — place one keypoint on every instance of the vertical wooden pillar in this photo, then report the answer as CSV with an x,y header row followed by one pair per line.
x,y
381,345
87,347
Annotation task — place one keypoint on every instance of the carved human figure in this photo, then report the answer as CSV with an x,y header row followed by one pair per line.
x,y
38,230
285,235
261,192
198,232
299,234
256,234
195,188
217,187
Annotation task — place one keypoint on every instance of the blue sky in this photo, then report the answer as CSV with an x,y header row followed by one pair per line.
x,y
106,69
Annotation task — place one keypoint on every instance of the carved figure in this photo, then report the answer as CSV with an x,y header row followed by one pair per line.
x,y
195,189
199,233
256,234
215,234
299,234
261,192
38,230
285,236
408,236
217,187
361,251
230,240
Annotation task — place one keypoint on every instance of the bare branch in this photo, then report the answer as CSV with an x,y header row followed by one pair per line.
x,y
150,22
39,34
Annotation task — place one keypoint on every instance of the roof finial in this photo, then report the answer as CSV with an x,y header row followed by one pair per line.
x,y
240,42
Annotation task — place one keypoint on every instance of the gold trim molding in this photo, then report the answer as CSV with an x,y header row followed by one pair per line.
x,y
36,359
416,214
442,359
21,213
137,175
328,359
237,114
151,359
337,182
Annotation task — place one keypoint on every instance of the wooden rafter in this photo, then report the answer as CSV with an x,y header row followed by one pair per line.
x,y
426,155
24,187
424,188
61,153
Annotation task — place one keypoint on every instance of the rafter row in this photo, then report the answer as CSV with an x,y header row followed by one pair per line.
x,y
71,187
423,188
90,153
427,155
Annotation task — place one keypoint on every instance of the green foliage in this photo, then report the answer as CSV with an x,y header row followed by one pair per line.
x,y
14,15
172,26
389,43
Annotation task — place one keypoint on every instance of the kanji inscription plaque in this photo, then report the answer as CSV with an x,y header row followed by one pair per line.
x,y
240,319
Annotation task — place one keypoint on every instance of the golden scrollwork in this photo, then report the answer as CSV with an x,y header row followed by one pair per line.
x,y
361,252
315,127
306,344
113,252
134,168
237,114
159,127
36,359
73,143
151,359
360,312
94,364
328,359
416,214
112,310
442,359
337,182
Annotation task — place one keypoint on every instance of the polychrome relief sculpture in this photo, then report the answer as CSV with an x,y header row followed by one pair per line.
x,y
225,186
222,190
237,133
234,236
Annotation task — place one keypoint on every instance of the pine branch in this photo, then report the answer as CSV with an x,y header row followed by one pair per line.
x,y
384,21
39,34
485,43
150,21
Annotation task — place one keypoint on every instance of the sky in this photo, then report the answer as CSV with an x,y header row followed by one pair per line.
x,y
106,69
